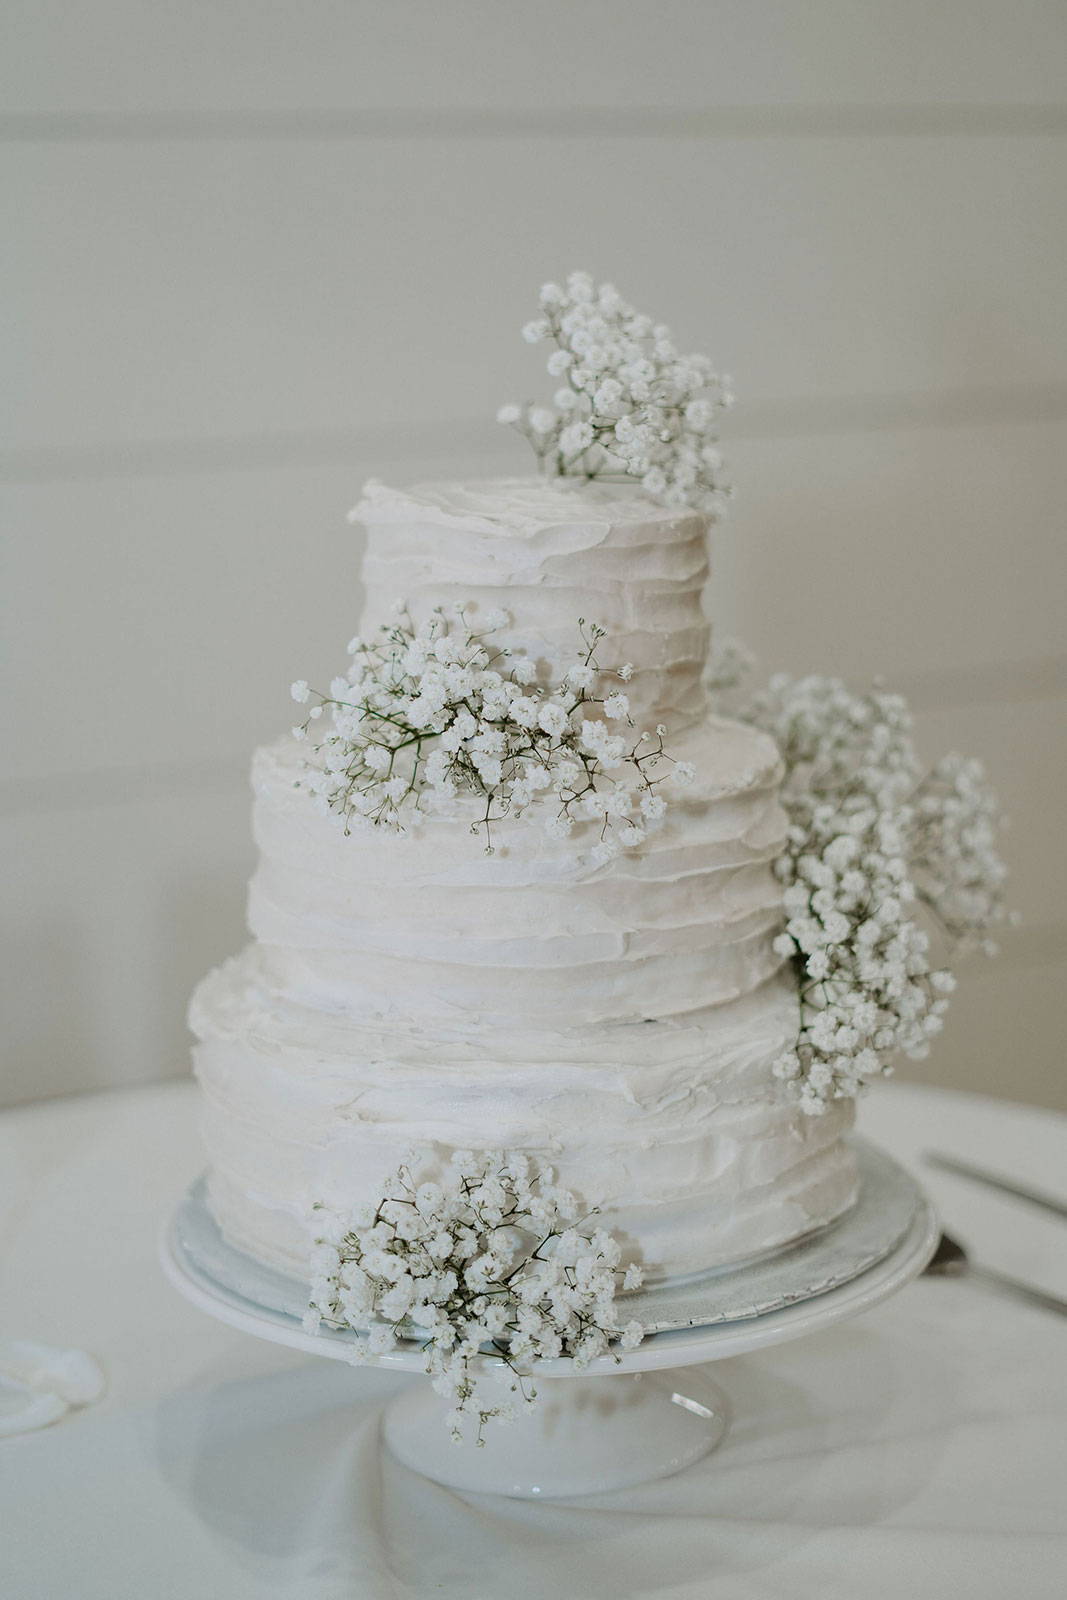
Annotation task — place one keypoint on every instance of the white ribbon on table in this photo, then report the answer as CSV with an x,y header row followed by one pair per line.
x,y
40,1383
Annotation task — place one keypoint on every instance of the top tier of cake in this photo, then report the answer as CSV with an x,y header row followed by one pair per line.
x,y
550,551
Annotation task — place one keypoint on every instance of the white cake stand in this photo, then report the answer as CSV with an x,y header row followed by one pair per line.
x,y
616,1423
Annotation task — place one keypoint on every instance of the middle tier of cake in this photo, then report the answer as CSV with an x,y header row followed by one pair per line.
x,y
414,993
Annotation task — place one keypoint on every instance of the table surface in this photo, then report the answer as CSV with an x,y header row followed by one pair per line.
x,y
918,1451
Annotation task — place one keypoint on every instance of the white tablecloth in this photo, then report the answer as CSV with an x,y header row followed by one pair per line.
x,y
916,1452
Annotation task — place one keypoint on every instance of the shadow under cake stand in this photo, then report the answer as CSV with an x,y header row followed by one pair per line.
x,y
617,1422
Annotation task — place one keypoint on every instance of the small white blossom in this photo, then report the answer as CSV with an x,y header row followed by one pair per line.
x,y
576,437
300,691
552,718
542,420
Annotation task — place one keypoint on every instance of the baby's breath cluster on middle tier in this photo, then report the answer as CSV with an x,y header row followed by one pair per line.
x,y
617,1016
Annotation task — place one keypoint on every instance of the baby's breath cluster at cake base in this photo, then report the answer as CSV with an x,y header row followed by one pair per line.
x,y
874,840
629,404
494,1262
429,715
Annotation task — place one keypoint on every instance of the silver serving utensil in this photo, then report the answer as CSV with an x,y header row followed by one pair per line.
x,y
950,1260
994,1180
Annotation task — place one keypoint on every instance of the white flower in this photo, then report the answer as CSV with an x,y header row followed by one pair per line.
x,y
542,420
536,330
299,691
377,758
576,436
581,675
552,718
626,672
616,706
525,711
381,1339
509,413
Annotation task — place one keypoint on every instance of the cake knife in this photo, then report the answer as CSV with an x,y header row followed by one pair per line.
x,y
1021,1191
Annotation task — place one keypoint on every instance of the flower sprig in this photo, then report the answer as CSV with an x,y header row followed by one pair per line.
x,y
429,713
628,405
495,1260
872,841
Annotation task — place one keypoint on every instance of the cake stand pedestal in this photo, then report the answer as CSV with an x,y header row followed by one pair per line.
x,y
619,1422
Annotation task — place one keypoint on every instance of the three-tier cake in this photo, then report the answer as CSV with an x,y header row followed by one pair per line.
x,y
410,992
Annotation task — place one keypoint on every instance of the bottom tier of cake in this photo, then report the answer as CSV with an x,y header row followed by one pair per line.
x,y
675,1129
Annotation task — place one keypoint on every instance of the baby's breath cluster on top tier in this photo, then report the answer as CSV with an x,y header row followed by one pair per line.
x,y
430,714
629,405
873,840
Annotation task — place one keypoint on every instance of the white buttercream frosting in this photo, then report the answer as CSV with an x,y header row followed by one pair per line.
x,y
549,551
412,992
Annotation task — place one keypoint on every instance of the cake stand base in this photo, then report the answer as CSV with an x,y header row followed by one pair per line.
x,y
583,1435
622,1420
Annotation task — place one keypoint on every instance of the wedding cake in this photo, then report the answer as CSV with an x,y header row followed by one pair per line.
x,y
615,1012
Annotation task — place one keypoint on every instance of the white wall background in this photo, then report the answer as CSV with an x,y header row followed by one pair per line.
x,y
261,251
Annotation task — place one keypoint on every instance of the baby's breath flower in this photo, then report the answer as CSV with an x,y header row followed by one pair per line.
x,y
437,714
631,405
870,839
484,1260
541,420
